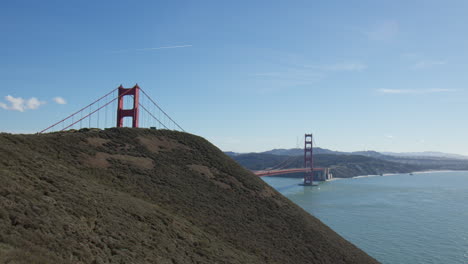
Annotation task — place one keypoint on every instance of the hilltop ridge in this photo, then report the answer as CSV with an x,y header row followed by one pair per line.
x,y
148,196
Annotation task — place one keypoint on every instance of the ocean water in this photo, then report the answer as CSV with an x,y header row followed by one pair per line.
x,y
397,219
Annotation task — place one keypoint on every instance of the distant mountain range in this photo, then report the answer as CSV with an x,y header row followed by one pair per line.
x,y
426,154
298,151
367,153
349,164
342,166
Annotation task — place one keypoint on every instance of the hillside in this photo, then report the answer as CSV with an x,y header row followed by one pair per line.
x,y
342,166
148,196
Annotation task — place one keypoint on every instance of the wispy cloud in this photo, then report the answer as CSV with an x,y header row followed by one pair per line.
x,y
20,104
427,64
306,74
345,66
166,47
415,91
410,55
59,100
293,76
155,48
384,31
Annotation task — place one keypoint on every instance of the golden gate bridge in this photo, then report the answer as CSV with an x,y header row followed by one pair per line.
x,y
311,173
129,103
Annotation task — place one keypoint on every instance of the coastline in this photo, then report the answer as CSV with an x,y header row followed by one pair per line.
x,y
378,175
414,172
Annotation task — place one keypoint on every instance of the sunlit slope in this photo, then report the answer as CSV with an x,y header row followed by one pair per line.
x,y
147,196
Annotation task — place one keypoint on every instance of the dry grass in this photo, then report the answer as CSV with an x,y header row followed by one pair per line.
x,y
157,144
203,170
97,142
102,160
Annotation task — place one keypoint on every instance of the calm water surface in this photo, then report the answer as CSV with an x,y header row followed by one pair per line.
x,y
398,219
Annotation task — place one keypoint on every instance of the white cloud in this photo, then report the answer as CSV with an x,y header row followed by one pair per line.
x,y
427,64
3,105
389,136
33,103
415,91
15,103
385,31
60,100
20,104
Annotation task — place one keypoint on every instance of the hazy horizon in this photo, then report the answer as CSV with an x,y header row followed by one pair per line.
x,y
337,150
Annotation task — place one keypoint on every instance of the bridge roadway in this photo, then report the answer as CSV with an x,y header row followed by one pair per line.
x,y
262,173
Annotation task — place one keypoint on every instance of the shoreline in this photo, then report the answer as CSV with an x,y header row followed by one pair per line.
x,y
378,175
414,172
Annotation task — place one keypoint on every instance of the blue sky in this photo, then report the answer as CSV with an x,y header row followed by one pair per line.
x,y
249,75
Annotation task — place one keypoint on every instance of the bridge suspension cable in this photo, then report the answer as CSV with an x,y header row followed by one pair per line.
x,y
79,111
111,105
149,113
89,115
151,100
284,164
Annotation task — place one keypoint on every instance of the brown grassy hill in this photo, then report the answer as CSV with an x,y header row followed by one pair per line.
x,y
147,196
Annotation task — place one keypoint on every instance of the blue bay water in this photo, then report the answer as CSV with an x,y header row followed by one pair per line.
x,y
397,219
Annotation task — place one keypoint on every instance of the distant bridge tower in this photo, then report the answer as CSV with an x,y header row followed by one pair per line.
x,y
133,112
308,160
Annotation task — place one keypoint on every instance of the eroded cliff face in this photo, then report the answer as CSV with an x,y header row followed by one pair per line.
x,y
148,196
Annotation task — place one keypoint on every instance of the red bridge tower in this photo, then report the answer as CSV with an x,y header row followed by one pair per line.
x,y
133,112
308,160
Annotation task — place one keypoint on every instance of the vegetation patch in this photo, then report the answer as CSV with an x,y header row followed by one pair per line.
x,y
101,160
157,144
97,142
203,170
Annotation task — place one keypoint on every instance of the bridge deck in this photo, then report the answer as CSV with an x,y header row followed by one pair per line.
x,y
286,171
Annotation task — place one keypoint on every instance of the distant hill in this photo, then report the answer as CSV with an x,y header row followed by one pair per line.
x,y
286,152
298,151
426,154
367,153
417,161
231,153
148,196
342,166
